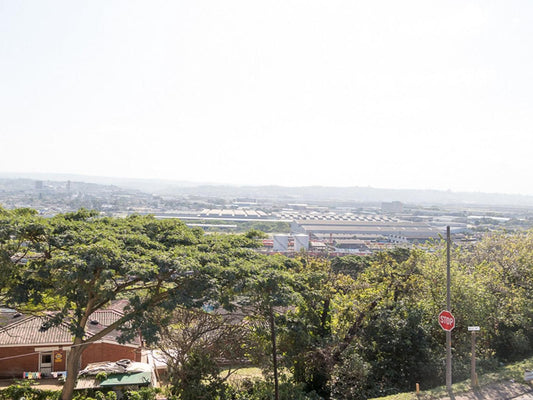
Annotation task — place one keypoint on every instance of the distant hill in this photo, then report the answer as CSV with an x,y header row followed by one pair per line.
x,y
294,194
355,194
145,185
10,185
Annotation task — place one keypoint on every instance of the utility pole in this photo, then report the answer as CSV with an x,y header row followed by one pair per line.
x,y
448,307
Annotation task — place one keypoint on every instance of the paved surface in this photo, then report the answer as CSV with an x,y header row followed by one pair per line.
x,y
498,391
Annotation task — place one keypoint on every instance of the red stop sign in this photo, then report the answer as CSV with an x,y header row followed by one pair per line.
x,y
446,320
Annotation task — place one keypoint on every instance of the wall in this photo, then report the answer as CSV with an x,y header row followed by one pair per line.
x,y
109,352
24,359
14,367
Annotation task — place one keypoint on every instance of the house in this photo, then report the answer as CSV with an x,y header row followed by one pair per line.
x,y
26,347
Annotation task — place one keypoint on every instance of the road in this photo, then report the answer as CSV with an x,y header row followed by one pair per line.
x,y
507,390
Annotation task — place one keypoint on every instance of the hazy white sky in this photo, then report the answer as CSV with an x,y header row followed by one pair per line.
x,y
398,94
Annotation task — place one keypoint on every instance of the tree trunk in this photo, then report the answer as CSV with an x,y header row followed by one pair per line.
x,y
73,367
350,335
324,318
274,353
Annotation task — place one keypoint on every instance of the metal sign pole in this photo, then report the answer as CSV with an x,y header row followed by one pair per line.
x,y
473,361
448,307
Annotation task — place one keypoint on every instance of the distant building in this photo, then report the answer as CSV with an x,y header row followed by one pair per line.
x,y
281,242
298,206
301,242
351,244
392,207
389,230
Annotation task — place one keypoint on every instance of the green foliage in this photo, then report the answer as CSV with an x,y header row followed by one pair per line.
x,y
305,331
270,227
99,395
198,378
349,379
196,343
101,376
21,232
263,390
350,265
369,328
503,266
398,351
84,262
245,226
351,328
24,389
501,375
255,234
132,395
146,393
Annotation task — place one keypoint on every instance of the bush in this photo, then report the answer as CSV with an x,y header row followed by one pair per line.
x,y
101,376
24,389
262,390
111,396
146,393
348,379
132,395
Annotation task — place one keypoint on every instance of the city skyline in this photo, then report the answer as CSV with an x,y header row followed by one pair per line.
x,y
293,93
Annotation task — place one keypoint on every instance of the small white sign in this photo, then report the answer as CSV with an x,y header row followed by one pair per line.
x,y
473,328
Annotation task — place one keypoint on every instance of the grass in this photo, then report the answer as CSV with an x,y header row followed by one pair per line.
x,y
509,372
251,373
246,373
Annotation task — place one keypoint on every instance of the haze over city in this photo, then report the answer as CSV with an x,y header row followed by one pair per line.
x,y
416,94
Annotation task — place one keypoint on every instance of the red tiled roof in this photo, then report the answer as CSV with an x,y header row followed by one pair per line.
x,y
27,330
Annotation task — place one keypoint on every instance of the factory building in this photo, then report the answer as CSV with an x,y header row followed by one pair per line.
x,y
394,231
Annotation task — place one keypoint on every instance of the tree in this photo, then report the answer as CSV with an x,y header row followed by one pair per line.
x,y
502,266
270,292
85,262
307,338
197,343
19,230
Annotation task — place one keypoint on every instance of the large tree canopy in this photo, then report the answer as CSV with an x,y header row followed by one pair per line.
x,y
83,262
20,230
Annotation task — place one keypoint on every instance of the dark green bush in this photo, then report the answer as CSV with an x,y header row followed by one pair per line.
x,y
25,389
262,390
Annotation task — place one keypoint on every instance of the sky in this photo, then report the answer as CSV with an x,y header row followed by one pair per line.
x,y
389,94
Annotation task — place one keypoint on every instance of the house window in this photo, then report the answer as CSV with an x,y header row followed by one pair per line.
x,y
46,358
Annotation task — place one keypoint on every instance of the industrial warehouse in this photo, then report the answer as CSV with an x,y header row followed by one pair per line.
x,y
325,232
359,236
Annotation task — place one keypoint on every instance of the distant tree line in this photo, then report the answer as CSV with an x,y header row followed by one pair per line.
x,y
245,226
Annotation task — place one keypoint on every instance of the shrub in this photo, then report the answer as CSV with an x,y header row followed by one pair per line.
x,y
262,390
24,389
101,376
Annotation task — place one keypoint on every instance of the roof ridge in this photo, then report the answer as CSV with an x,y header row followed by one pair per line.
x,y
113,310
14,324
